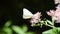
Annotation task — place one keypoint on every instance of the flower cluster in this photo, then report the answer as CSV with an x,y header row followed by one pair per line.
x,y
55,14
35,19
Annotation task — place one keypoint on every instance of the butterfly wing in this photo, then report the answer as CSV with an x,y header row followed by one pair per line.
x,y
26,14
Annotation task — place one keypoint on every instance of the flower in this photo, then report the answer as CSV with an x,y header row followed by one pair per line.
x,y
51,13
55,14
35,19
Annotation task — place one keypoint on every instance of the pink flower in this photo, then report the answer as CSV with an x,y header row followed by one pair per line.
x,y
51,13
55,14
35,19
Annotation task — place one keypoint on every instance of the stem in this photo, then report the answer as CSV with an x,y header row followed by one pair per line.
x,y
49,26
53,20
42,22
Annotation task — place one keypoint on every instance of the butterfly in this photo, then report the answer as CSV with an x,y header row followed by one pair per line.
x,y
34,17
27,14
56,1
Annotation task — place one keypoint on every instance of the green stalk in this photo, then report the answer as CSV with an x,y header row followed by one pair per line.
x,y
53,20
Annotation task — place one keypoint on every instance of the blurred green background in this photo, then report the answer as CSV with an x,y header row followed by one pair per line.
x,y
12,10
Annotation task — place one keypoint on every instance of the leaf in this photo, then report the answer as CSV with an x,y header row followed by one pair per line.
x,y
58,29
24,28
18,29
49,22
51,31
7,30
7,24
30,33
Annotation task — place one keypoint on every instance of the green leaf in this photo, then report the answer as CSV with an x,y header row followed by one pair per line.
x,y
30,33
7,30
49,22
8,23
58,29
24,28
18,29
51,31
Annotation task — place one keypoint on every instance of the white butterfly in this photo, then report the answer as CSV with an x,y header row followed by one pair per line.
x,y
27,14
57,1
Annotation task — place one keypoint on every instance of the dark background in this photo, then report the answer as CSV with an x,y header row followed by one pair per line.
x,y
12,10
